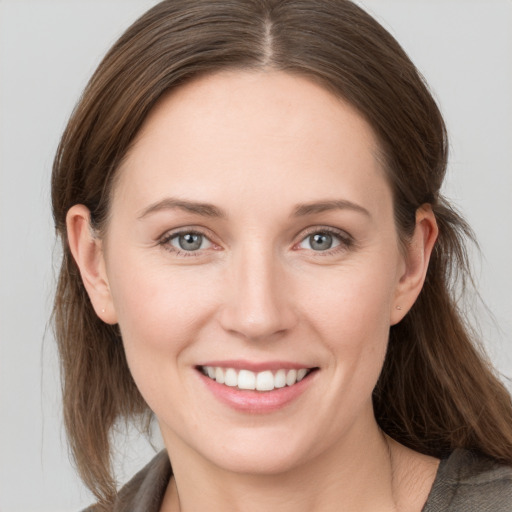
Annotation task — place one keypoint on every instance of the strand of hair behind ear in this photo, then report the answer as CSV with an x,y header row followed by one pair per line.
x,y
437,390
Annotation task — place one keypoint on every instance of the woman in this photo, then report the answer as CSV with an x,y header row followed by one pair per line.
x,y
256,252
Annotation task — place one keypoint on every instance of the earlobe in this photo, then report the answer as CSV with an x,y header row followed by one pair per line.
x,y
417,258
87,252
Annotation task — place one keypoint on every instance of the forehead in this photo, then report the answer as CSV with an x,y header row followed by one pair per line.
x,y
269,102
252,132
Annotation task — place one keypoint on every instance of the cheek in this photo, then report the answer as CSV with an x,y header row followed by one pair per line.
x,y
351,314
161,313
355,300
160,309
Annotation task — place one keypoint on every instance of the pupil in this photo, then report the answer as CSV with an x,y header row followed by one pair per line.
x,y
190,241
321,241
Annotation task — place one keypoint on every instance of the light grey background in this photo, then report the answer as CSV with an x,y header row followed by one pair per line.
x,y
48,49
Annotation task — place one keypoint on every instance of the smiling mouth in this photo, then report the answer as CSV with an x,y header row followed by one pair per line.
x,y
258,381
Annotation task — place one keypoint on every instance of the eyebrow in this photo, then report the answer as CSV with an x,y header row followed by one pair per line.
x,y
324,206
209,210
170,203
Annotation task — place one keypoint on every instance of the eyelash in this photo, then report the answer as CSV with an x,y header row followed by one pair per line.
x,y
345,241
165,242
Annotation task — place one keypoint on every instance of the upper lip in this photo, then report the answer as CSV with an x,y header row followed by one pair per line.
x,y
240,364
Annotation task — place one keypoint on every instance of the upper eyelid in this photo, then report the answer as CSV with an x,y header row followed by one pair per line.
x,y
169,234
324,229
346,241
164,242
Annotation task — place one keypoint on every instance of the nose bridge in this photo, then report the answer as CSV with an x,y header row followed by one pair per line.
x,y
257,306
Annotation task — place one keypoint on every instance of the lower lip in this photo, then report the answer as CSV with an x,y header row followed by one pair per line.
x,y
257,402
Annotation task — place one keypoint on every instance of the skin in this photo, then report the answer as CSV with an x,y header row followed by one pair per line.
x,y
256,146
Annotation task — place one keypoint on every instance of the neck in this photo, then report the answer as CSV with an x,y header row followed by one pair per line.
x,y
358,475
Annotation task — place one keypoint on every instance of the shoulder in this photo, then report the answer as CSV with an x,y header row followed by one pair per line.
x,y
145,491
469,481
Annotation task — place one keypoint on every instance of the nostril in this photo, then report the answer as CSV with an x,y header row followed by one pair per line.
x,y
257,323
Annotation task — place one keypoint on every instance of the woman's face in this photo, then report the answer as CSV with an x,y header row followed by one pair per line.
x,y
252,235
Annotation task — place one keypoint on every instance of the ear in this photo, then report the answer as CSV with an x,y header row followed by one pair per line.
x,y
416,259
87,250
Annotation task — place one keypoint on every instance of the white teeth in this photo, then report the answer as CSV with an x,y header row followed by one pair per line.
x,y
291,377
246,379
261,381
265,381
230,378
219,375
280,379
301,374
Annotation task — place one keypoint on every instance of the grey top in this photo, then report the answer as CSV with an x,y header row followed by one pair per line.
x,y
465,482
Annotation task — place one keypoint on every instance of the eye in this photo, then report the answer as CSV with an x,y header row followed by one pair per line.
x,y
320,241
189,241
325,241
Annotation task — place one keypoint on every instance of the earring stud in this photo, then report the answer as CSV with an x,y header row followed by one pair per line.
x,y
397,307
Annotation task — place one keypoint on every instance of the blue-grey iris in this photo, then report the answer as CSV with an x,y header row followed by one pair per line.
x,y
190,241
320,241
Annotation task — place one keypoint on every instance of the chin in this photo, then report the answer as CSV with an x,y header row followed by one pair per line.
x,y
267,452
258,462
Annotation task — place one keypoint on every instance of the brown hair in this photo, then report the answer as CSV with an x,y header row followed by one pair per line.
x,y
436,391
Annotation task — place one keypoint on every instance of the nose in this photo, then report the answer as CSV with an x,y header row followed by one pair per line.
x,y
258,305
